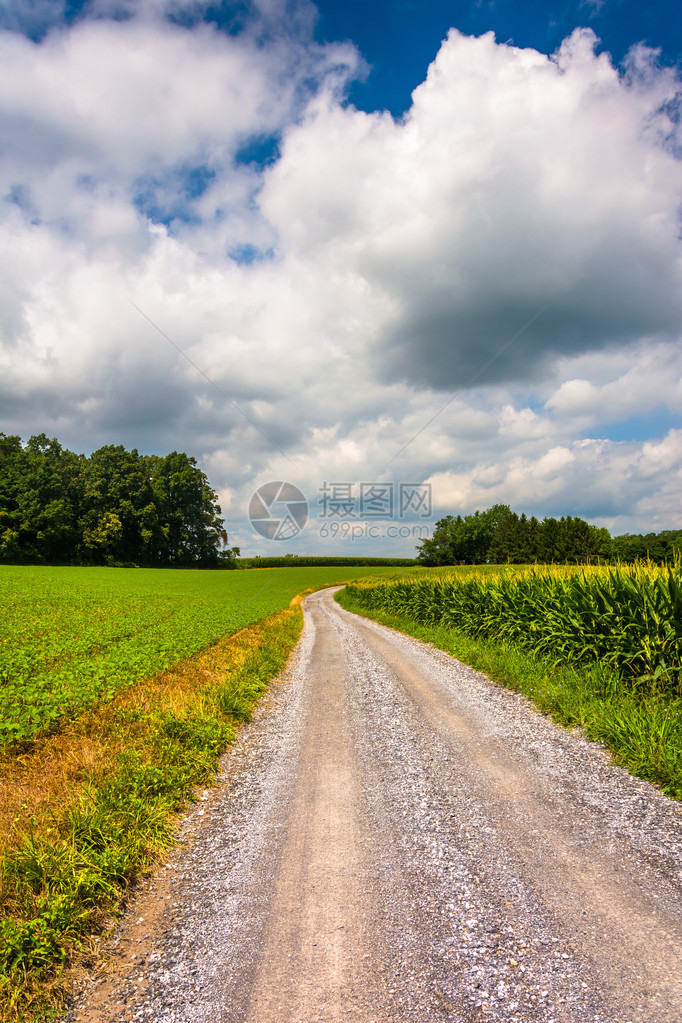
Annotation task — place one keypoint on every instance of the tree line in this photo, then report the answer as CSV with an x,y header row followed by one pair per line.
x,y
663,546
499,535
120,507
323,561
113,507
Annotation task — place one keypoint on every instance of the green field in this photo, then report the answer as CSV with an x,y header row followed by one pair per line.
x,y
89,803
72,636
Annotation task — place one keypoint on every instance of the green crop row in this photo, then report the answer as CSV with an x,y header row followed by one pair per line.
x,y
66,862
72,636
628,618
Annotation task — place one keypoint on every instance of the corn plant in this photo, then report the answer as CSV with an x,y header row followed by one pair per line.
x,y
629,618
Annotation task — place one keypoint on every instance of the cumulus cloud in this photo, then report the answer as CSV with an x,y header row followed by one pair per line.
x,y
115,118
336,286
605,481
637,381
516,184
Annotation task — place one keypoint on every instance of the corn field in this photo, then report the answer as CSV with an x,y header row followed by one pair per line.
x,y
628,617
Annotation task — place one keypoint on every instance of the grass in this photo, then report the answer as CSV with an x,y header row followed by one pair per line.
x,y
88,806
120,689
643,732
153,671
71,637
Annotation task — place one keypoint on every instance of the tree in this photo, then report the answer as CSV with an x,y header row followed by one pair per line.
x,y
188,509
11,469
499,536
663,546
104,535
466,540
40,491
114,507
228,555
116,484
440,548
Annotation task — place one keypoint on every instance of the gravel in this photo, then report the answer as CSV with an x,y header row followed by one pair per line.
x,y
505,870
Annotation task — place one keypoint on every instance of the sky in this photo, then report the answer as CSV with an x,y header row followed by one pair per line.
x,y
382,253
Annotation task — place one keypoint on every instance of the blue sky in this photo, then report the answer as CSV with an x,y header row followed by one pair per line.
x,y
399,39
307,242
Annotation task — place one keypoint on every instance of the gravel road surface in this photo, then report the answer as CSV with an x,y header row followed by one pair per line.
x,y
396,839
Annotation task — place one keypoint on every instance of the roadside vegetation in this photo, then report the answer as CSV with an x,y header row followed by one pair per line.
x,y
598,648
87,810
139,680
72,636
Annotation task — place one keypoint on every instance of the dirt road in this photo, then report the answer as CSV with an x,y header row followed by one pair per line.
x,y
395,839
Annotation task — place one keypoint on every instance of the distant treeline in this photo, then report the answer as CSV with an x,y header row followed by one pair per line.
x,y
302,561
499,536
114,507
117,507
663,546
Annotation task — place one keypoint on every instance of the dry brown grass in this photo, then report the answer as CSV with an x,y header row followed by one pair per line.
x,y
120,771
38,781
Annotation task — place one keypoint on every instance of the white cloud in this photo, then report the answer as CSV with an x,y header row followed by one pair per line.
x,y
575,396
635,381
517,184
607,482
662,457
391,260
113,112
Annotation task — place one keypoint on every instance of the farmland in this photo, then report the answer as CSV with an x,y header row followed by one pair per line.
x,y
120,691
71,636
121,688
627,618
595,647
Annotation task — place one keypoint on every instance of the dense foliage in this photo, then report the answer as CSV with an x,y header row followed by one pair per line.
x,y
664,546
115,507
627,618
500,536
